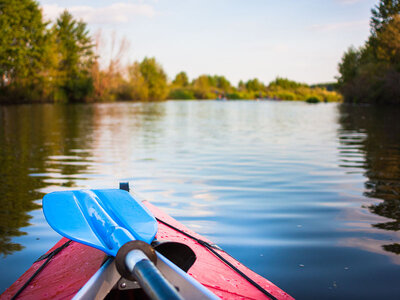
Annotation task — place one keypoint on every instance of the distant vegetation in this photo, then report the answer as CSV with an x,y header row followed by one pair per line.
x,y
371,73
62,62
210,87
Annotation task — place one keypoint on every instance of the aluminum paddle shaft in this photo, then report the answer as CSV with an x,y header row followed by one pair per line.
x,y
149,277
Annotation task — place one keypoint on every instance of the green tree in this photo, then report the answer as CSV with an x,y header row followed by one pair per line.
x,y
181,88
222,83
383,13
388,46
181,94
241,86
204,87
137,88
75,49
212,86
155,79
23,39
372,73
181,80
286,83
349,65
254,85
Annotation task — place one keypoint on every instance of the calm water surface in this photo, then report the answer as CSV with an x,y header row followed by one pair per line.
x,y
306,195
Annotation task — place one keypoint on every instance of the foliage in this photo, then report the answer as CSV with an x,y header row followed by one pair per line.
x,y
204,87
63,63
41,64
349,65
181,94
371,74
181,79
180,88
137,85
23,39
145,81
254,85
285,89
285,84
312,100
329,86
388,46
74,46
383,13
222,83
214,87
109,83
154,78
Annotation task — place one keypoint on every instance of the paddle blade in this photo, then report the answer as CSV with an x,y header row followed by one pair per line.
x,y
104,219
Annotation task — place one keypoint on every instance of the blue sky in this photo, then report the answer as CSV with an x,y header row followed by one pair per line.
x,y
302,40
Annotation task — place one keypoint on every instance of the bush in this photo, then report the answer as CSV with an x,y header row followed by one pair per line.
x,y
234,96
283,95
312,100
181,94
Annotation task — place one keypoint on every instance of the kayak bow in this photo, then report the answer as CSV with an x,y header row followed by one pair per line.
x,y
76,270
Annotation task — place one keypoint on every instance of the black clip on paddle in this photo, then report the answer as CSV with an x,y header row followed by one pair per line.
x,y
135,261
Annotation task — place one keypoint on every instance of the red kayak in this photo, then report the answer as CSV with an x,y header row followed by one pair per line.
x,y
69,265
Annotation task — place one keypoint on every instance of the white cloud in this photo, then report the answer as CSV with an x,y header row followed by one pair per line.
x,y
340,26
114,13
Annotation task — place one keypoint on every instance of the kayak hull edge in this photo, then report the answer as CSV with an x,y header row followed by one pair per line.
x,y
70,269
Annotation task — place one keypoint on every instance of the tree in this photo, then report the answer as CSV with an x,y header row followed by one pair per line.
x,y
388,46
75,49
203,87
241,86
349,65
371,74
155,79
181,88
383,13
286,84
254,85
108,82
23,40
181,80
137,87
222,83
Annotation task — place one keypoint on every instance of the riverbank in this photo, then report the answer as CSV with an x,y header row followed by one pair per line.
x,y
63,63
280,89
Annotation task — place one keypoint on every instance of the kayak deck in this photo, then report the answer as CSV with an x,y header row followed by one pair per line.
x,y
74,265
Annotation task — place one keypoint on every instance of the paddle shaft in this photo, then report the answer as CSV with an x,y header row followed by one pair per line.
x,y
149,277
114,236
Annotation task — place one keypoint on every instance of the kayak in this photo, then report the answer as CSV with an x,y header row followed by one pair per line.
x,y
68,267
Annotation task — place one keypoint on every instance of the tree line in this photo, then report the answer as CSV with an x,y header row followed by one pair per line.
x,y
371,73
61,62
210,87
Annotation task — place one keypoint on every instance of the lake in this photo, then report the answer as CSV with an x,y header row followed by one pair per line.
x,y
306,195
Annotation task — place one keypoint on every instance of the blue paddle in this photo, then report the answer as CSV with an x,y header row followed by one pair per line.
x,y
114,222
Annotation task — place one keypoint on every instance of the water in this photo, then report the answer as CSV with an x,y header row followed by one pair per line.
x,y
306,195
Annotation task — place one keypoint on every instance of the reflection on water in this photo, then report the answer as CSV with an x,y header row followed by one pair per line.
x,y
49,147
370,140
29,135
306,195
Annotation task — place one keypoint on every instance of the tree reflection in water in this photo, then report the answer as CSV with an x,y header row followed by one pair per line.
x,y
48,147
370,139
29,135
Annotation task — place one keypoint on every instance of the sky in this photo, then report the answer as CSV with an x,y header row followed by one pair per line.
x,y
302,40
